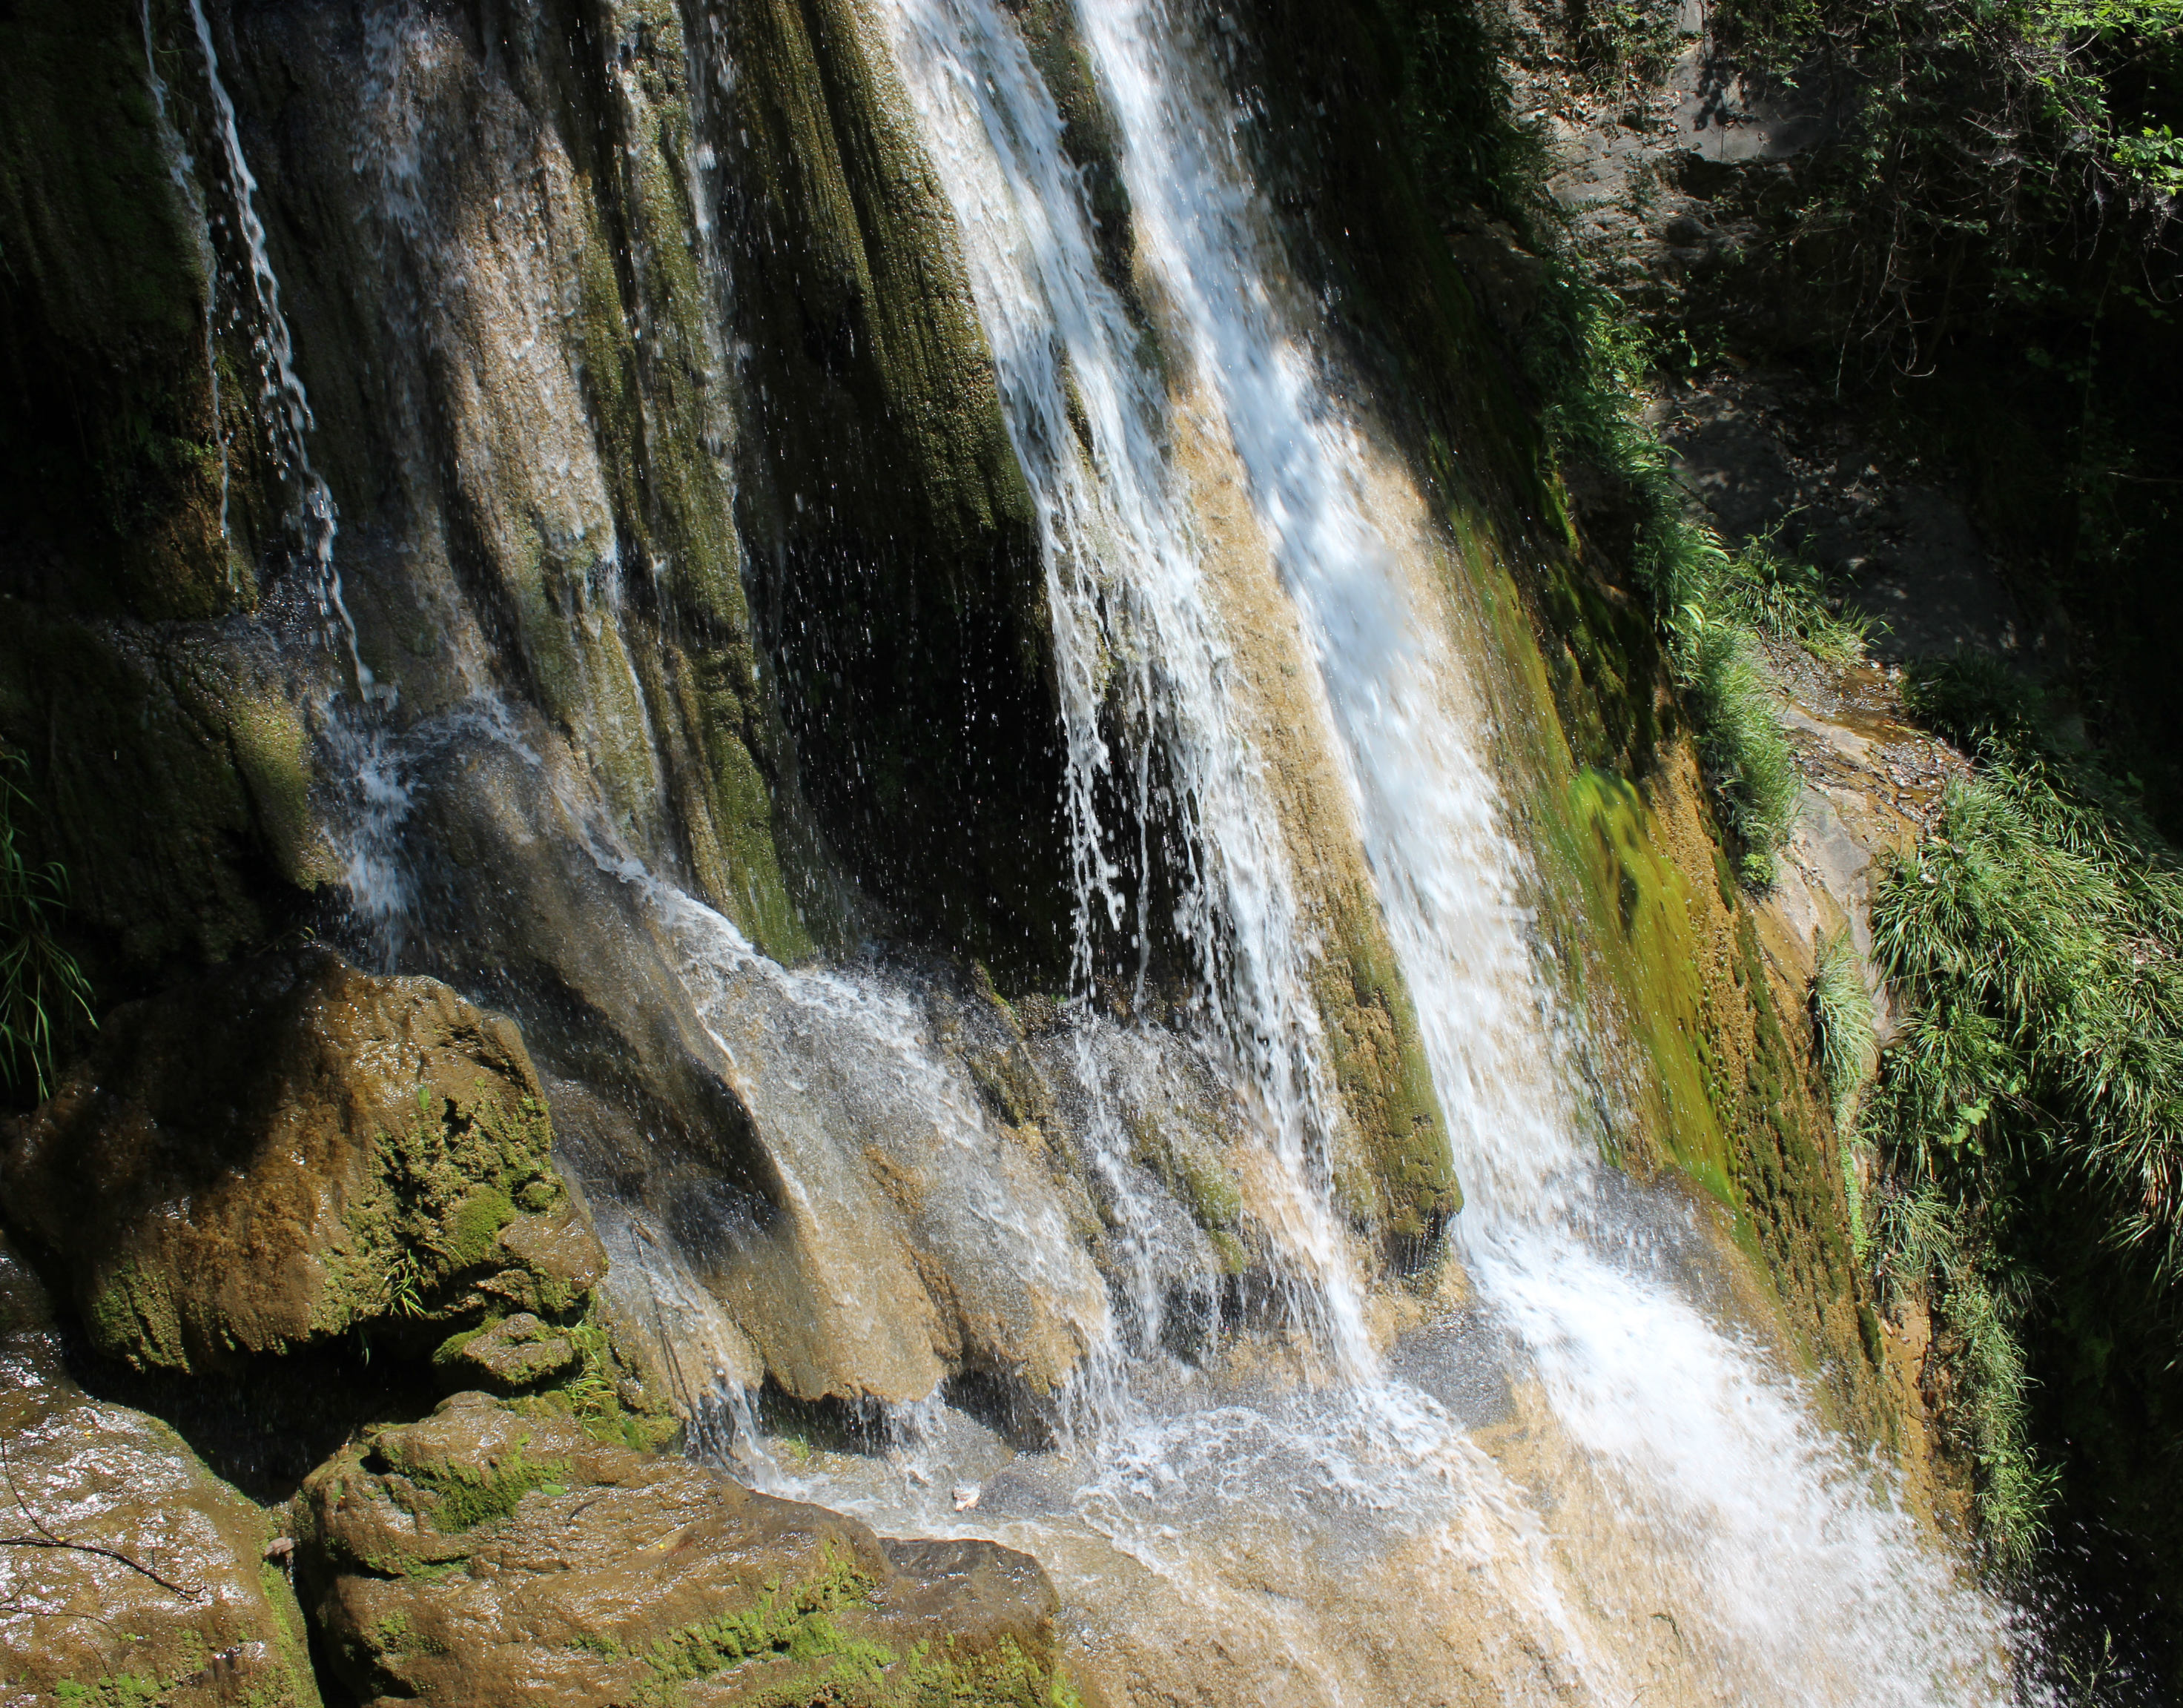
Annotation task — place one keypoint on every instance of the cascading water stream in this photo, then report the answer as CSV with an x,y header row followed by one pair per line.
x,y
1824,1590
365,756
1134,629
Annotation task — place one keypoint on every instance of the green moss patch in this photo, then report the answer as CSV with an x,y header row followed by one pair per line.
x,y
799,1645
464,1497
442,1190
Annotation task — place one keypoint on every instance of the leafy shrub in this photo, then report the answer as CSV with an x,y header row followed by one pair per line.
x,y
1972,131
1848,1051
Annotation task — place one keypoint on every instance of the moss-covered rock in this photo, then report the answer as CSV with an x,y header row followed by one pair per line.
x,y
175,777
1409,1190
291,1151
1193,1169
156,1589
481,1555
507,1356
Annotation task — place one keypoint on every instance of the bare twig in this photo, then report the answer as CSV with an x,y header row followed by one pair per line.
x,y
47,1539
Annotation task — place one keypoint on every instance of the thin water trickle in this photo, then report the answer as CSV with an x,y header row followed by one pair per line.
x,y
287,408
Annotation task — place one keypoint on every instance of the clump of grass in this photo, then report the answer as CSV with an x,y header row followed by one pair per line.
x,y
1848,1051
1979,700
1842,1018
1622,43
42,990
1746,751
2033,942
2038,939
1786,600
2016,1491
1926,1241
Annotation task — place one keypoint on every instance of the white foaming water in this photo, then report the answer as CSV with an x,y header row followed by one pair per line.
x,y
829,1051
1134,636
1819,1591
287,408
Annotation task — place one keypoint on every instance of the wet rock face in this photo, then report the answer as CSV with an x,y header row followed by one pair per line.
x,y
480,1556
200,1618
883,504
291,1151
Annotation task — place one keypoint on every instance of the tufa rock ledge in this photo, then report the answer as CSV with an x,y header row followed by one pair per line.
x,y
483,1556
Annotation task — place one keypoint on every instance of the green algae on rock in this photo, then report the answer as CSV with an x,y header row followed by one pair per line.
x,y
291,1151
173,777
482,1553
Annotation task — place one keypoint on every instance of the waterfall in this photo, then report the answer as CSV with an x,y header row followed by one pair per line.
x,y
1820,1582
1792,1562
1561,1478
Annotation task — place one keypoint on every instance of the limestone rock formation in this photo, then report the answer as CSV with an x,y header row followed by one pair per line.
x,y
129,1573
483,1556
289,1151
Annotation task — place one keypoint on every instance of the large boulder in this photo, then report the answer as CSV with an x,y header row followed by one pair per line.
x,y
291,1152
484,1556
130,1573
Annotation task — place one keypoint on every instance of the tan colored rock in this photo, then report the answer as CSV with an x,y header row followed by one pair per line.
x,y
289,1151
483,1556
163,1593
1393,1168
